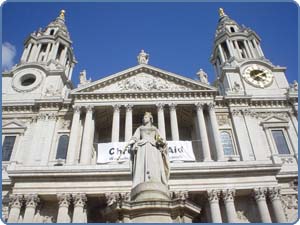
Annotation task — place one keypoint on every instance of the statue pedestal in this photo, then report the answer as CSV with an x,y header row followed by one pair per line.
x,y
150,202
150,191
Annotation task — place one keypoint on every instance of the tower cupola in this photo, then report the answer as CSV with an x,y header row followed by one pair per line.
x,y
51,46
233,43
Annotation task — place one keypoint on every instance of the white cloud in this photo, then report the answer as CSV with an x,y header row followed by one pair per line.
x,y
8,54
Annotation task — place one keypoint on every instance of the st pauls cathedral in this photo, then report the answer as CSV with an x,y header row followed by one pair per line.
x,y
148,145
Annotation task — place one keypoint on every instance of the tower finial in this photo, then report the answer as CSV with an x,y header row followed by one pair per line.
x,y
221,12
62,14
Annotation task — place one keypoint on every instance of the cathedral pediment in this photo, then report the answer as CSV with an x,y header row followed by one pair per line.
x,y
143,78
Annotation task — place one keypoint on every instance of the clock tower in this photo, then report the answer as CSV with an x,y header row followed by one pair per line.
x,y
240,65
46,65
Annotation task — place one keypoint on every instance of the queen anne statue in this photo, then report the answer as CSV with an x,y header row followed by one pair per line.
x,y
149,156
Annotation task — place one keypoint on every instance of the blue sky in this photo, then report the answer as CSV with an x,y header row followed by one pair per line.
x,y
107,37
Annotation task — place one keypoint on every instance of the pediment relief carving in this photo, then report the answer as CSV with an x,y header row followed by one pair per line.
x,y
13,126
143,79
144,82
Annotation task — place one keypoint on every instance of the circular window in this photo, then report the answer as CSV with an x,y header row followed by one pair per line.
x,y
28,79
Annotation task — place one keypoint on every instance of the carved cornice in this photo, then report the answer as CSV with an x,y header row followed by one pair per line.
x,y
79,200
213,195
64,200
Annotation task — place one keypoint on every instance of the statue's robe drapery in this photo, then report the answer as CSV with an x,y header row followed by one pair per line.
x,y
149,161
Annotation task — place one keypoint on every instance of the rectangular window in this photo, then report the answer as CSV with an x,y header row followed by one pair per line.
x,y
280,142
227,143
7,147
62,147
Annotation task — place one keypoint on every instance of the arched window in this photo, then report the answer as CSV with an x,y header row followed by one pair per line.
x,y
227,143
232,29
62,147
51,32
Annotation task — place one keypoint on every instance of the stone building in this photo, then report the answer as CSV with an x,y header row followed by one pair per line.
x,y
233,143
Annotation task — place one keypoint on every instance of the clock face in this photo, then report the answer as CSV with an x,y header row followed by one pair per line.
x,y
258,76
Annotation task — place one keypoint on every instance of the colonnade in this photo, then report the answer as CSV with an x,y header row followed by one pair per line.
x,y
260,195
32,201
79,201
89,126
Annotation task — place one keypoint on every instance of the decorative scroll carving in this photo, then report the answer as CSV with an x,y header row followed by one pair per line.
x,y
213,195
51,91
290,207
79,200
32,200
241,216
172,107
228,195
160,106
16,201
116,108
77,108
274,193
223,119
66,124
128,107
64,200
260,194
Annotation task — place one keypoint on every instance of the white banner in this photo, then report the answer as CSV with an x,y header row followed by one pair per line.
x,y
110,152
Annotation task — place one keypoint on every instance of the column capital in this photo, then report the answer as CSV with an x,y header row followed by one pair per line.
x,y
77,108
89,108
172,106
260,193
228,195
31,200
199,105
16,201
129,107
79,200
112,198
116,107
64,200
160,106
274,193
211,106
213,195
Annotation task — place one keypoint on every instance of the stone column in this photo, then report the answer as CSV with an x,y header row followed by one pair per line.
x,y
79,205
274,195
63,208
229,46
174,122
15,204
54,50
161,120
26,52
215,132
238,51
116,124
63,57
128,123
260,198
87,139
213,198
228,197
203,133
221,53
73,141
31,204
47,52
247,49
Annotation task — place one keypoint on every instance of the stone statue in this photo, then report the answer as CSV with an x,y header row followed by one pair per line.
x,y
149,154
295,85
82,78
143,57
202,76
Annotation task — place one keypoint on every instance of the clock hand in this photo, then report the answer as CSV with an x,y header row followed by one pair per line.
x,y
259,74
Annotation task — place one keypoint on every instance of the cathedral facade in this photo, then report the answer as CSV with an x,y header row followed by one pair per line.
x,y
233,144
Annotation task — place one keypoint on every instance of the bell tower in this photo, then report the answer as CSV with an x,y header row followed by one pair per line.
x,y
239,62
46,65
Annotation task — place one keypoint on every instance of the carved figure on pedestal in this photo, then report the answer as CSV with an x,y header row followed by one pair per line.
x,y
149,154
